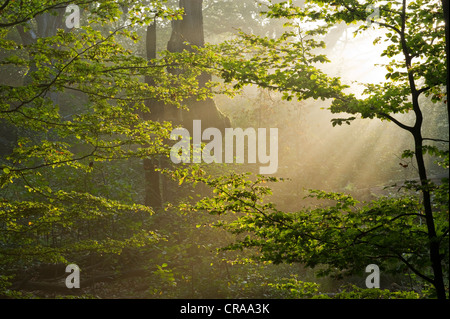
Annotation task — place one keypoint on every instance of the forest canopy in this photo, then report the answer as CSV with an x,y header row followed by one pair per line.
x,y
94,94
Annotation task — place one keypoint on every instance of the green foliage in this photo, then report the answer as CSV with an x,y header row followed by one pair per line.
x,y
80,121
342,238
354,292
395,232
77,108
5,291
291,62
295,289
285,64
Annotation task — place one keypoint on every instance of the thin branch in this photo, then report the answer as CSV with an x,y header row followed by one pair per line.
x,y
387,26
443,235
118,98
400,124
373,21
49,85
33,188
423,90
56,163
435,140
414,270
5,4
268,217
363,233
399,256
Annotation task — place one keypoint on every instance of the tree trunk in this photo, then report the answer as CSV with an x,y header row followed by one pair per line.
x,y
153,196
434,245
447,50
185,33
433,240
188,30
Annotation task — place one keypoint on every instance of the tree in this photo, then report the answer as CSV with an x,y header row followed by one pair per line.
x,y
414,36
187,33
51,211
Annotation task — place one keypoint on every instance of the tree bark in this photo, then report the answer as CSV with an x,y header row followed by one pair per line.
x,y
189,29
185,32
416,131
434,245
153,196
445,6
433,240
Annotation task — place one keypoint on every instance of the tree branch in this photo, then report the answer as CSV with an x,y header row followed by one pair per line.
x,y
400,124
414,270
423,90
56,163
48,86
5,4
435,140
363,233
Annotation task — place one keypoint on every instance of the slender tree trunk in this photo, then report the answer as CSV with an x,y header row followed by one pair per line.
x,y
416,131
153,196
434,245
433,241
445,6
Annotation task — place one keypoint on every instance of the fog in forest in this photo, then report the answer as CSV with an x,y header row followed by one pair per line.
x,y
362,158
